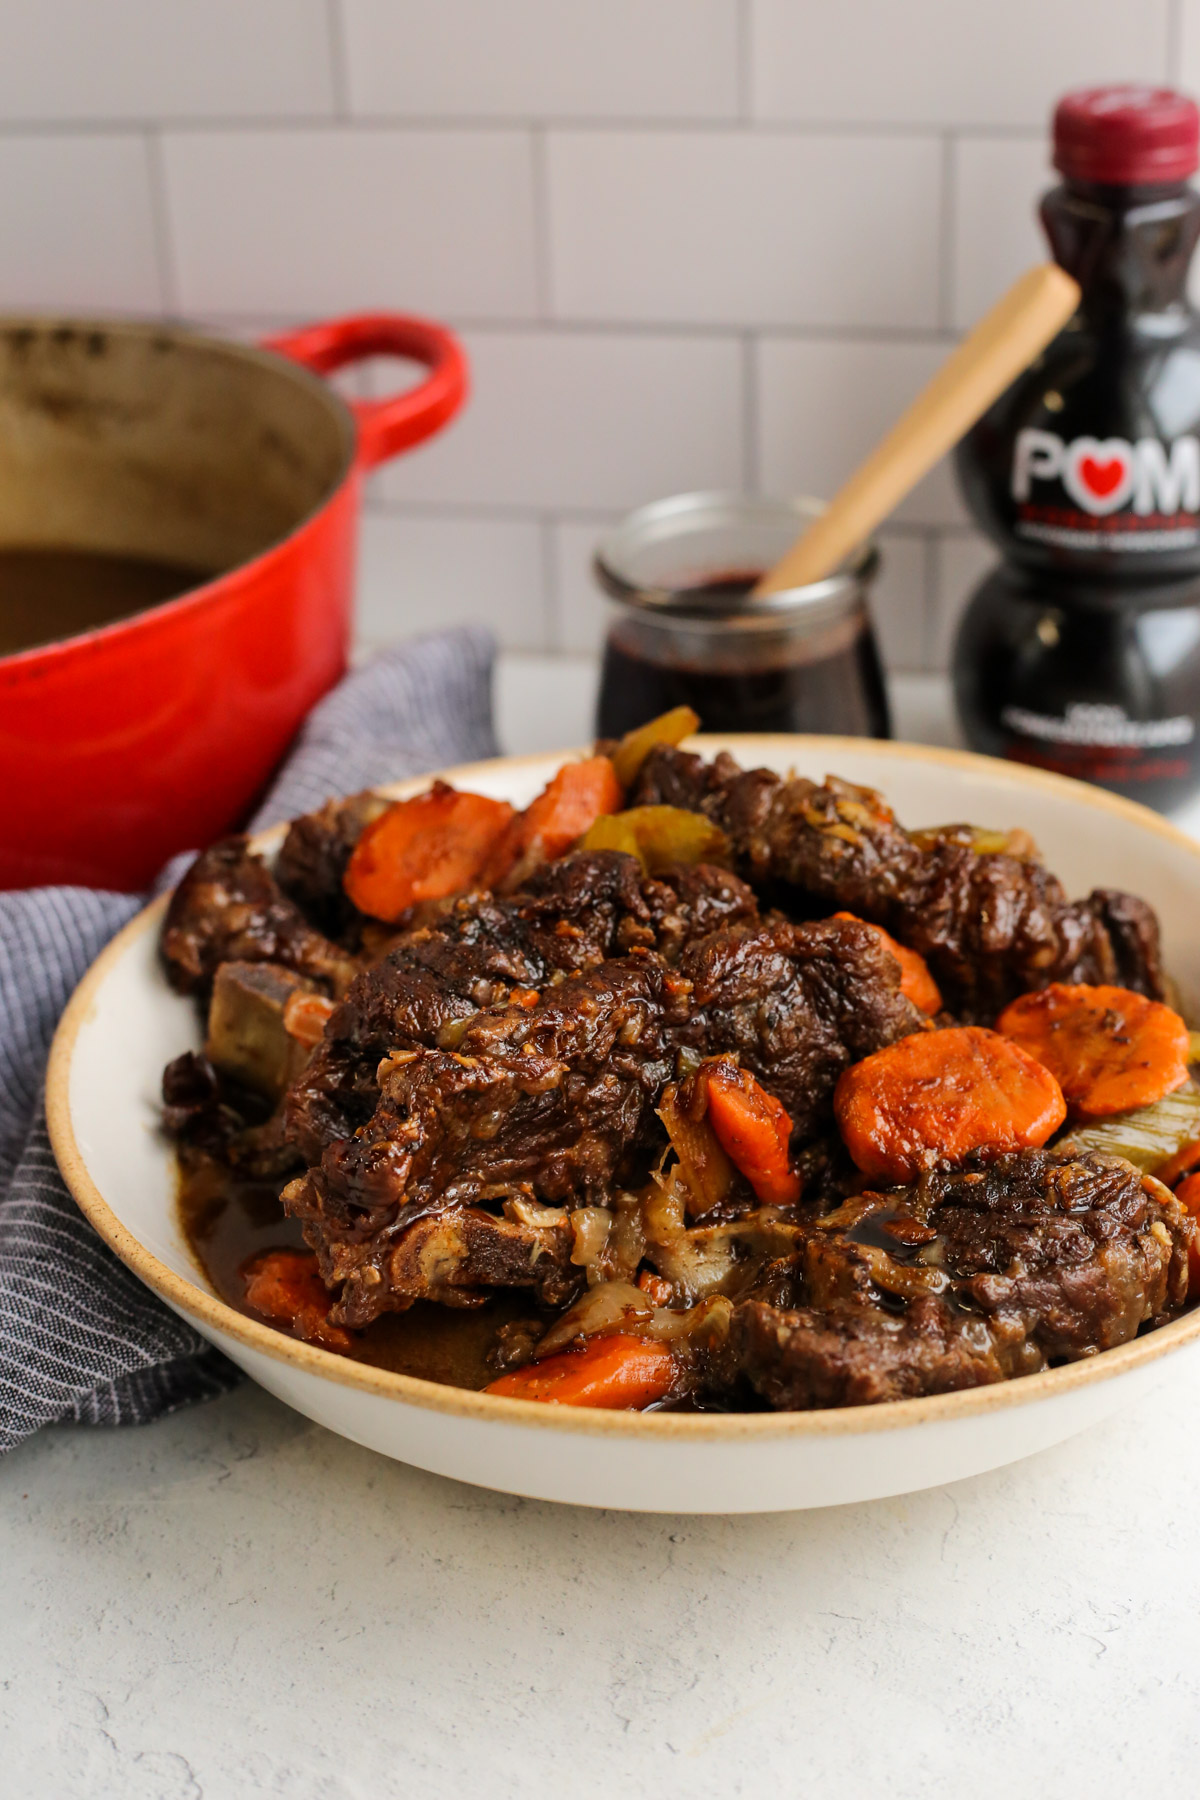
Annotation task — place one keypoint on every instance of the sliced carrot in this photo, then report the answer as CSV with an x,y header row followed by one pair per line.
x,y
1110,1049
1182,1163
937,1095
754,1131
915,980
286,1288
424,849
562,812
1188,1196
620,1372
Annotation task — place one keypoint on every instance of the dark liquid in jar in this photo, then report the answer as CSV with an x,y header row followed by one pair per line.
x,y
49,593
841,693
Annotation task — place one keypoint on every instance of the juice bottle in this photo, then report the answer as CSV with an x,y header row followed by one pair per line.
x,y
1082,652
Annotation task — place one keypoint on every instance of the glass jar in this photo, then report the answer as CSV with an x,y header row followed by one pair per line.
x,y
687,629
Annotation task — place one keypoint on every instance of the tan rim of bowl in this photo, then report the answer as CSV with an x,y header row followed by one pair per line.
x,y
212,1314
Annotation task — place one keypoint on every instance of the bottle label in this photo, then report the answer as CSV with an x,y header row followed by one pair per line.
x,y
1100,742
1106,493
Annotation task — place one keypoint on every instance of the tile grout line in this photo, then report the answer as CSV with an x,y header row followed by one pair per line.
x,y
553,623
751,462
539,175
946,231
534,513
455,124
339,68
160,215
703,331
1174,40
745,54
931,556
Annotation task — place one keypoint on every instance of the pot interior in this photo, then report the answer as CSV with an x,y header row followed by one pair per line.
x,y
146,460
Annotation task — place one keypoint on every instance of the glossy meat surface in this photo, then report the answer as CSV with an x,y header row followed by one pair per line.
x,y
558,1100
573,914
990,924
973,1276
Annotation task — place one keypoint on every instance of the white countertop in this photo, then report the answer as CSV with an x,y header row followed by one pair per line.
x,y
234,1602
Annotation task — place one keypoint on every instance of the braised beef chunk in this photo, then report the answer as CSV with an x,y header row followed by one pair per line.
x,y
798,1003
557,1099
229,908
204,1111
991,924
574,913
854,1356
313,857
975,1275
552,1101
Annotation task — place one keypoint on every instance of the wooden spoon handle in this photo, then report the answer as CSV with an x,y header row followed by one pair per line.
x,y
1004,342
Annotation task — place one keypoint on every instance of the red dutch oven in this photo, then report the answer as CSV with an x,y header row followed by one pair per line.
x,y
156,733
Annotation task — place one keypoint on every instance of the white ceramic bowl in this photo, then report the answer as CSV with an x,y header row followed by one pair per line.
x,y
124,1023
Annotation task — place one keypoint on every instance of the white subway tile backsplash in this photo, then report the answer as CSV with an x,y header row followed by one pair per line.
x,y
571,420
961,560
660,59
689,242
329,220
899,600
1188,74
822,406
946,62
76,225
581,611
744,228
164,59
997,185
421,574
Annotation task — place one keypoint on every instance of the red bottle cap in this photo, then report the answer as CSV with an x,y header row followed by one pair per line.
x,y
1126,136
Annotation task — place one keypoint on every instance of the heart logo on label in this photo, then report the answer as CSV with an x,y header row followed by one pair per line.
x,y
1098,474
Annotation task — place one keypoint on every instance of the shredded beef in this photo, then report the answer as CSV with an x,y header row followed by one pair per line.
x,y
989,923
975,1275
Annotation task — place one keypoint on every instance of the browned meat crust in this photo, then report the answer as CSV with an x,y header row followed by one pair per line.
x,y
558,1101
313,857
550,1101
990,925
573,914
799,1003
229,908
975,1275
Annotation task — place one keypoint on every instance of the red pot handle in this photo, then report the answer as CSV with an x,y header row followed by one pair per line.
x,y
385,427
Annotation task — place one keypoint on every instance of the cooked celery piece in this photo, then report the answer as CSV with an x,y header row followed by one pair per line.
x,y
1148,1137
659,836
669,728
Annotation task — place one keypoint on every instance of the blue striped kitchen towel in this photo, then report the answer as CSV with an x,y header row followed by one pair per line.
x,y
80,1338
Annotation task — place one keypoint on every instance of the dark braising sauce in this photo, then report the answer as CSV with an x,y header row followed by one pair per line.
x,y
789,688
227,1221
48,593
